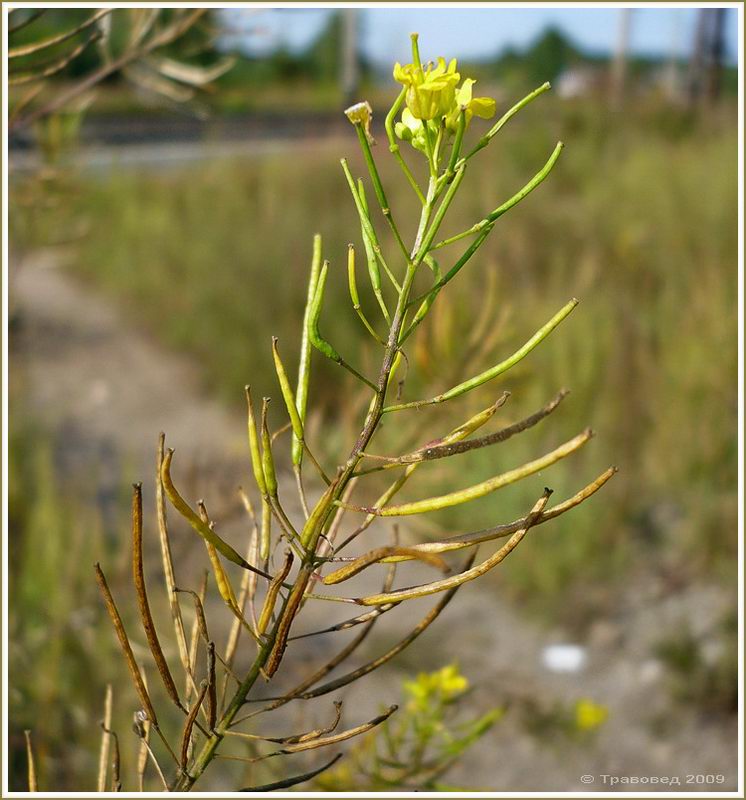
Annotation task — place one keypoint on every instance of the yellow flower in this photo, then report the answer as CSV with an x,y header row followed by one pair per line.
x,y
451,682
483,107
431,92
589,715
441,686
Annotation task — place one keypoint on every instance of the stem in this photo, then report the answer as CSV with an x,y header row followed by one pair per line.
x,y
324,509
394,145
378,186
206,755
456,149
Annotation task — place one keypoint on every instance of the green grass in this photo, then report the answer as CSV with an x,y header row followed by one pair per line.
x,y
60,662
638,220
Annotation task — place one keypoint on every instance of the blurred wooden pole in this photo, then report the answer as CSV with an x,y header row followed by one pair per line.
x,y
706,63
619,62
350,65
716,54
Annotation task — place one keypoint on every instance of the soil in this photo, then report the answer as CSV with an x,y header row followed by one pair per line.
x,y
107,389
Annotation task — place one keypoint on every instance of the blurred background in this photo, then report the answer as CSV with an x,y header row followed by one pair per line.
x,y
163,197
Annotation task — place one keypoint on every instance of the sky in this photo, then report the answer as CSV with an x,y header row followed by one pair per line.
x,y
483,32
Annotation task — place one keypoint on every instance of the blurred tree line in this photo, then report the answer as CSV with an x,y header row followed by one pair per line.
x,y
321,64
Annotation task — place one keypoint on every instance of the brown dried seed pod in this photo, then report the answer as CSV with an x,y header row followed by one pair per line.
x,y
283,629
186,737
124,643
212,697
286,783
325,741
199,609
168,566
142,598
273,591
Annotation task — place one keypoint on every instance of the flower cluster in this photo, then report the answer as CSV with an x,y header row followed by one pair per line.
x,y
442,686
434,99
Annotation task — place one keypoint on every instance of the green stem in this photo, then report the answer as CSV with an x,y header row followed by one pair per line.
x,y
378,186
324,509
394,145
456,149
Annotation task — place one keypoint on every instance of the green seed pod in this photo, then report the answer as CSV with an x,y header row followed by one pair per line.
x,y
199,525
317,340
373,270
266,530
287,393
256,453
351,278
355,297
304,363
486,487
268,462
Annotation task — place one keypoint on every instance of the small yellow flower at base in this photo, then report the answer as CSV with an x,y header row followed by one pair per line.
x,y
361,114
589,715
441,686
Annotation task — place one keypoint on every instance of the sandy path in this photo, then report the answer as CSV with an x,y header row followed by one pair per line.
x,y
109,389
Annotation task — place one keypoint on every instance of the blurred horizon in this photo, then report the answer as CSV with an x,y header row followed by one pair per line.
x,y
478,34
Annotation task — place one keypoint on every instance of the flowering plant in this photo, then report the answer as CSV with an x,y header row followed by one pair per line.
x,y
289,556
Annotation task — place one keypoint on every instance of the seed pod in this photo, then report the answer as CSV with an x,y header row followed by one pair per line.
x,y
266,530
463,540
374,556
454,581
212,697
256,453
186,736
202,528
143,605
199,628
304,362
294,780
287,392
272,592
325,741
168,566
317,340
295,599
221,578
488,486
373,271
268,462
355,297
498,369
124,643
